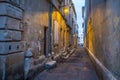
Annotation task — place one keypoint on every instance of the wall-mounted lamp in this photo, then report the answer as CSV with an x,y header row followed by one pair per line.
x,y
65,9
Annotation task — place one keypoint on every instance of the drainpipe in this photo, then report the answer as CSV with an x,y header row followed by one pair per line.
x,y
50,27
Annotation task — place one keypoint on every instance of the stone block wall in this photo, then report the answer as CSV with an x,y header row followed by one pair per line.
x,y
11,48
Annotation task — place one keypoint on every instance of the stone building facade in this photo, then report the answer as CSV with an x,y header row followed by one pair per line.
x,y
35,36
102,36
11,48
24,36
71,18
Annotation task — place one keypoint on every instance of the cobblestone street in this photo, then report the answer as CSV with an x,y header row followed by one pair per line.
x,y
77,67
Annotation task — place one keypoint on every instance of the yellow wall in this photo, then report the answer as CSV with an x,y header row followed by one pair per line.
x,y
63,30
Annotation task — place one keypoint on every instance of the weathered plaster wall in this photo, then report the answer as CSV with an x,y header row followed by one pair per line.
x,y
63,31
103,36
36,19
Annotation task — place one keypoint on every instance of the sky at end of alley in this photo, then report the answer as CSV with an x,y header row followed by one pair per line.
x,y
78,6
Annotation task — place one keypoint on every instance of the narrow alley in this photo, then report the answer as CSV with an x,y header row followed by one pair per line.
x,y
59,39
77,67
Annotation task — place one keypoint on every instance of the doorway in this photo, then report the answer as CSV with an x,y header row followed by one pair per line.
x,y
46,37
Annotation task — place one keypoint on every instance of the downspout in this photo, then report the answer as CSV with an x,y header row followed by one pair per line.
x,y
50,27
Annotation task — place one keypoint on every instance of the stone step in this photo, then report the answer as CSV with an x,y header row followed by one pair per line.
x,y
50,64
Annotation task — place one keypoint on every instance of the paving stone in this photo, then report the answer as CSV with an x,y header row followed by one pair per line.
x,y
75,68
